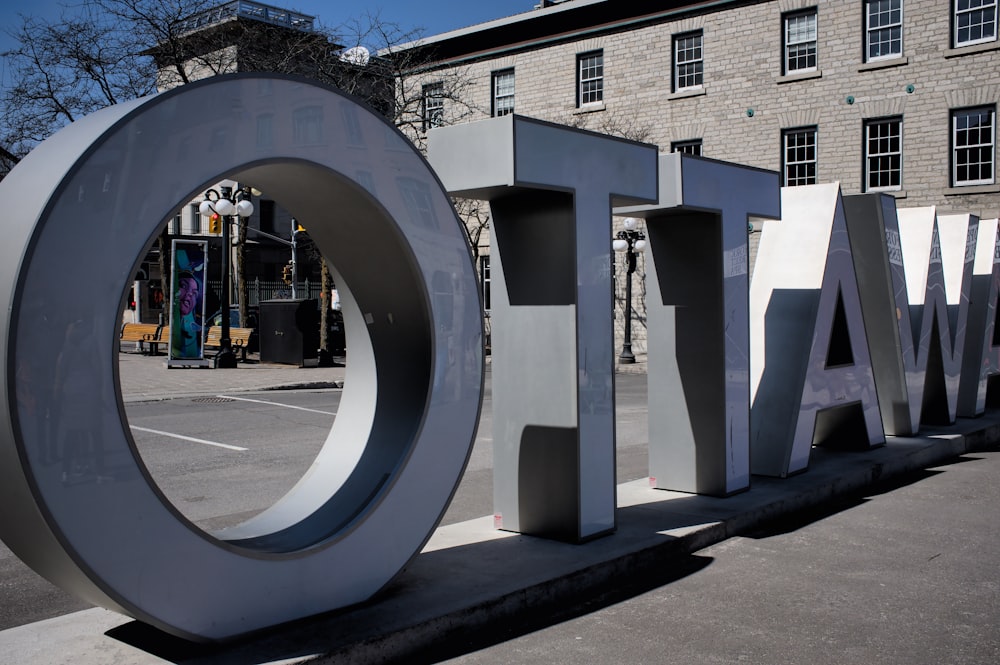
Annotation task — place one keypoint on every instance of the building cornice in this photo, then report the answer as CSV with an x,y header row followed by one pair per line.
x,y
546,26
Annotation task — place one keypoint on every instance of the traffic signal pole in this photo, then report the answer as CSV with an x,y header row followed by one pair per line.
x,y
293,264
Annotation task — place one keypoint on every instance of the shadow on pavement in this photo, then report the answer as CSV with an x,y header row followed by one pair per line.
x,y
314,635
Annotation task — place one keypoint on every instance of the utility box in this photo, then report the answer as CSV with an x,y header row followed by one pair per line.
x,y
289,331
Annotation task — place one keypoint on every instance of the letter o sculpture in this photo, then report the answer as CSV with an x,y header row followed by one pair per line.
x,y
81,209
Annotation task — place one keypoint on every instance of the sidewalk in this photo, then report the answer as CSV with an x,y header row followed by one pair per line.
x,y
145,378
470,579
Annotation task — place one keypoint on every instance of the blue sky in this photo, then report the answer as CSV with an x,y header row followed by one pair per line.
x,y
431,17
434,16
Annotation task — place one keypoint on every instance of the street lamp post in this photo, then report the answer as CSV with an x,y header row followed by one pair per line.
x,y
295,261
633,242
226,205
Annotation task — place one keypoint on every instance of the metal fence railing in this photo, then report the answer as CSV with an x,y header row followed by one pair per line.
x,y
259,290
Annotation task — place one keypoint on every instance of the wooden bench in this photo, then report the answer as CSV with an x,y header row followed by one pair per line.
x,y
162,337
239,338
143,333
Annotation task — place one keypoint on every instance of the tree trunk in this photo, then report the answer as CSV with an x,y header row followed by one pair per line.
x,y
326,284
165,263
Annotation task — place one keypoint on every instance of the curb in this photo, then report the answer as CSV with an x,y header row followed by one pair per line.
x,y
475,626
307,385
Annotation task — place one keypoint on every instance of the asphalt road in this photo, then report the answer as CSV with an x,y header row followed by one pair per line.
x,y
907,574
189,446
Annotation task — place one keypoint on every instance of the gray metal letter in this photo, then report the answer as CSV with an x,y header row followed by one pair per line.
x,y
915,279
550,190
697,308
811,377
981,358
99,191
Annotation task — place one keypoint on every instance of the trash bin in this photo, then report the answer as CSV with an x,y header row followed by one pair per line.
x,y
289,331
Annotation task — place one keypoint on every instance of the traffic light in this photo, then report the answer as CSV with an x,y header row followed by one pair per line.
x,y
215,224
286,274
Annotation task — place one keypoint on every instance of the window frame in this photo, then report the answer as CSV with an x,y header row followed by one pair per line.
x,y
787,45
869,30
869,156
682,146
786,164
195,219
307,125
581,81
432,116
495,96
956,14
955,148
676,63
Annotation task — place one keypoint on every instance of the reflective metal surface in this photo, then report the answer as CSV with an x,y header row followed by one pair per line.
x,y
550,190
697,309
938,256
915,271
811,378
981,356
91,199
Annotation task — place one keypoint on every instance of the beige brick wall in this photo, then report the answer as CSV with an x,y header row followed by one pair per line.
x,y
743,70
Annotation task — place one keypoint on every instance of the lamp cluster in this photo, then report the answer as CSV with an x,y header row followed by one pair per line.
x,y
630,238
226,204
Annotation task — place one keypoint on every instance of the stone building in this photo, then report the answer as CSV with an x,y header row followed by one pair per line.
x,y
897,96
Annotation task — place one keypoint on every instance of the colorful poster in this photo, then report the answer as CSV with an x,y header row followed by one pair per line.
x,y
187,301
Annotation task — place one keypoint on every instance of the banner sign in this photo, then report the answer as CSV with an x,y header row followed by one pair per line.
x,y
187,301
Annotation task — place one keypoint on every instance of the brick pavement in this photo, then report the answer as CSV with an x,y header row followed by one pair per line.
x,y
145,377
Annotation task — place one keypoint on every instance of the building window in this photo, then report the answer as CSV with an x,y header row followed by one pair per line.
x,y
265,131
800,42
195,218
973,140
692,147
307,125
433,111
266,216
503,92
799,152
883,154
416,195
484,277
443,297
688,61
590,78
883,29
975,21
175,225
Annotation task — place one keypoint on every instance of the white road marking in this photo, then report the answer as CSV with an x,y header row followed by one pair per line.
x,y
287,406
188,438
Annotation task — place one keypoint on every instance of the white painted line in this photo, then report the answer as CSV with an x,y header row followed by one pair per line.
x,y
287,406
188,438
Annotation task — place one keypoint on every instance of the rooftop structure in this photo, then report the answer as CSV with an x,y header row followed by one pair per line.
x,y
247,9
